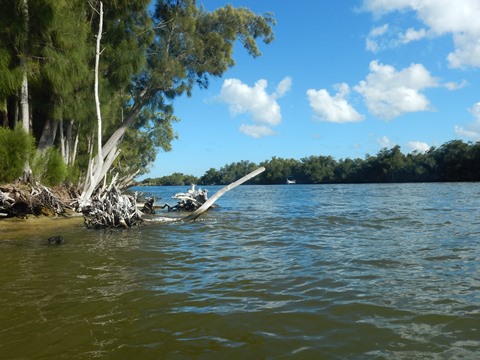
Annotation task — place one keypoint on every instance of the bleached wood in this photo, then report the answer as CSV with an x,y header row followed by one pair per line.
x,y
193,216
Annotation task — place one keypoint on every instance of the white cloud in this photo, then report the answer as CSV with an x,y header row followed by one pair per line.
x,y
256,131
458,18
412,35
376,32
470,134
255,101
283,87
389,93
455,86
383,37
333,108
418,146
379,30
473,129
467,50
385,142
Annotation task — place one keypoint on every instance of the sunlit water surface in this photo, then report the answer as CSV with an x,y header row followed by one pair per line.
x,y
276,272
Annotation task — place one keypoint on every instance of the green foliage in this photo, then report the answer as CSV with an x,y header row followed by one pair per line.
x,y
152,52
211,177
278,169
48,167
176,179
73,175
453,161
16,148
228,174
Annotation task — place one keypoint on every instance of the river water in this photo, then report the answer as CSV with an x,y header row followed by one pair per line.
x,y
389,271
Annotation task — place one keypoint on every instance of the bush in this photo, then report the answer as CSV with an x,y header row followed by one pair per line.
x,y
73,175
16,148
48,167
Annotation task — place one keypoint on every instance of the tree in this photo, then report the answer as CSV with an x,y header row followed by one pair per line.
x,y
318,169
189,46
148,58
451,160
277,170
211,177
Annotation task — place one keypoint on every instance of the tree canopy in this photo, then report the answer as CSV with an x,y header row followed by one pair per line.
x,y
453,161
150,54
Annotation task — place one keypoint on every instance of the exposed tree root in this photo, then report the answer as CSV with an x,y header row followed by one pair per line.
x,y
21,200
189,201
112,209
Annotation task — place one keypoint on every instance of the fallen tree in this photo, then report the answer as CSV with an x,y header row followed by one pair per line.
x,y
189,201
112,209
23,200
108,208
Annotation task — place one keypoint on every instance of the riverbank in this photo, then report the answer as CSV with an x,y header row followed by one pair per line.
x,y
21,200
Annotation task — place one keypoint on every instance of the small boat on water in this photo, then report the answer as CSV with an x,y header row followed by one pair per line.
x,y
291,180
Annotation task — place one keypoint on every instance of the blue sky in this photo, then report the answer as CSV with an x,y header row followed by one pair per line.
x,y
342,78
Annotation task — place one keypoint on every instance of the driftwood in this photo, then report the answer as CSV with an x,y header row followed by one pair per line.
x,y
148,206
109,208
207,203
189,201
112,209
21,201
220,193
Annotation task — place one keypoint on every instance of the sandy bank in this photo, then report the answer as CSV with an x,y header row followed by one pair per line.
x,y
34,226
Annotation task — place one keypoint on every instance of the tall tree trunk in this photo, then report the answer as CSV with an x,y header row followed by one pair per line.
x,y
24,89
27,171
62,142
75,146
97,97
49,134
68,142
24,103
97,167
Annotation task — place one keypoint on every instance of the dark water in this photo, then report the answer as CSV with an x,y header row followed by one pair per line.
x,y
279,272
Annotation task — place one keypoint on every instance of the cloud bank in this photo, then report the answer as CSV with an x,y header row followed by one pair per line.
x,y
386,92
389,93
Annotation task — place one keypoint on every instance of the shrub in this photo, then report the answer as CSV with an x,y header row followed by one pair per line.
x,y
16,148
73,175
48,167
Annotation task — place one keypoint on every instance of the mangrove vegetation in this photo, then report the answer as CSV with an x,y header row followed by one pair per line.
x,y
452,161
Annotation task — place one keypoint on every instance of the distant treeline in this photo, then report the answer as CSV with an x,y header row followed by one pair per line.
x,y
453,161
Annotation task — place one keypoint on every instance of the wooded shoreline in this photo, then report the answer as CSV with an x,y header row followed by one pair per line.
x,y
454,161
108,208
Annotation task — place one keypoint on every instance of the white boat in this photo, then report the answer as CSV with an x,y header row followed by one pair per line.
x,y
291,180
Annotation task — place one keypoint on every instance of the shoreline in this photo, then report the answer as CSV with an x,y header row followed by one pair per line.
x,y
35,227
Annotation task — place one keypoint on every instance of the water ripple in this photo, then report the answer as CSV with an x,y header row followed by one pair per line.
x,y
334,272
